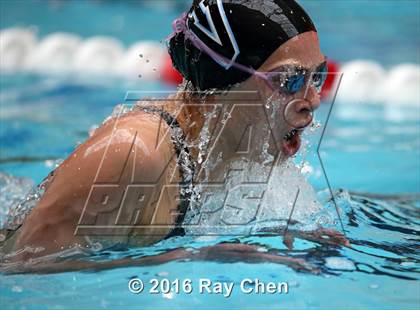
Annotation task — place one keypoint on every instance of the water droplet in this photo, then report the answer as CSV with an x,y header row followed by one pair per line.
x,y
169,295
49,163
294,284
339,263
17,289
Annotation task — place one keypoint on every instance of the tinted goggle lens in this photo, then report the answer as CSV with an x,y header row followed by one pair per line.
x,y
294,82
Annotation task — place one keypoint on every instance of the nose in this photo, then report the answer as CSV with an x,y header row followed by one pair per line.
x,y
313,97
298,113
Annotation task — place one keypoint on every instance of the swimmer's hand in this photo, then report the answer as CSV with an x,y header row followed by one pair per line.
x,y
321,235
328,236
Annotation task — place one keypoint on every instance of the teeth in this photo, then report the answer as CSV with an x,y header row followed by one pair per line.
x,y
290,135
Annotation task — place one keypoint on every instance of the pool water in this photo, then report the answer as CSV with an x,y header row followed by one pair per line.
x,y
370,152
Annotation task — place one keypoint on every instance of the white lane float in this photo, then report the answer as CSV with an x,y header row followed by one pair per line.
x,y
98,55
368,82
363,81
360,81
402,85
54,54
15,46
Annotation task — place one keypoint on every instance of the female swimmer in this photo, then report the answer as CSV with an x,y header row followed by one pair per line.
x,y
140,167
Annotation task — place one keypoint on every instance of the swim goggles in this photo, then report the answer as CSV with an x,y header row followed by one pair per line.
x,y
290,79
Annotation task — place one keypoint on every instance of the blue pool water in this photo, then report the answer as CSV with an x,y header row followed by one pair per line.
x,y
370,152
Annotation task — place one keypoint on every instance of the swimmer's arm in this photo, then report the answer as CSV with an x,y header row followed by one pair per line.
x,y
105,156
224,253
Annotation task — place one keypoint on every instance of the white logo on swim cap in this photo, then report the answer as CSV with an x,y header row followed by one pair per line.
x,y
213,34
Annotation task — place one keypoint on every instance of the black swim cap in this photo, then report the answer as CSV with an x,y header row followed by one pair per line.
x,y
242,31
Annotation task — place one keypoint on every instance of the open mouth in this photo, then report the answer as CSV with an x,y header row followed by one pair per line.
x,y
291,142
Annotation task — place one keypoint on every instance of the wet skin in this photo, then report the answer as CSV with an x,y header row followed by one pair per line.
x,y
222,252
53,222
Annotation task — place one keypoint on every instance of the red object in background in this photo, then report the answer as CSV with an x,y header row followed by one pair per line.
x,y
169,74
329,82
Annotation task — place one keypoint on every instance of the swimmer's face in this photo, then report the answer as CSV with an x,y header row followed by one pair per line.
x,y
291,112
